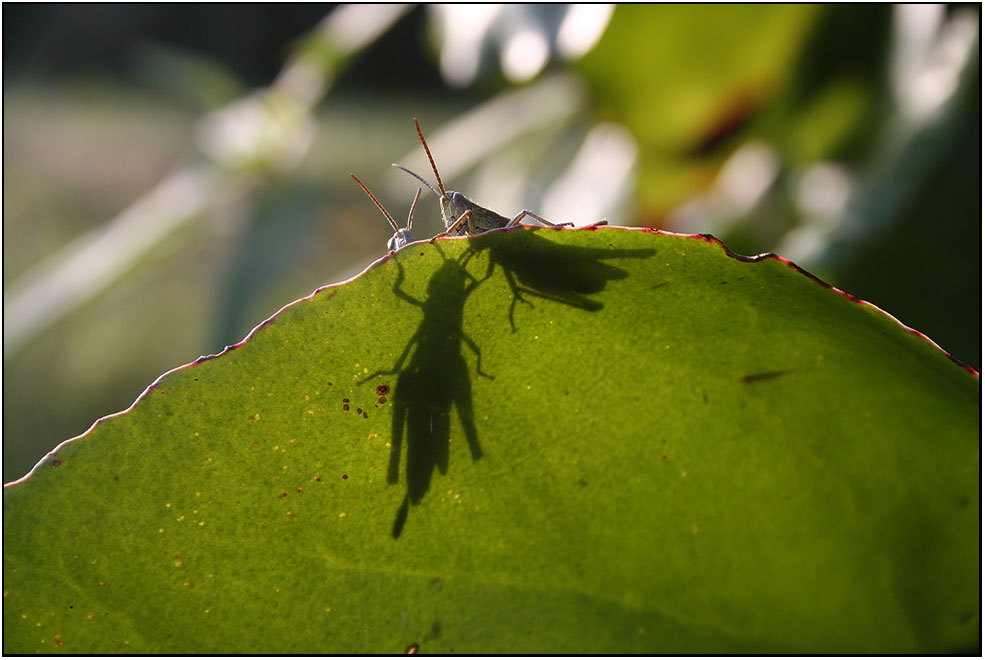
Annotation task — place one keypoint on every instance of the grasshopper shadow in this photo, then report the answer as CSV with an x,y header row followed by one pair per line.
x,y
536,266
434,380
433,376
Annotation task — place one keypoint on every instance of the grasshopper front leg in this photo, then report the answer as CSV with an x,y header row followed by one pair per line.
x,y
466,216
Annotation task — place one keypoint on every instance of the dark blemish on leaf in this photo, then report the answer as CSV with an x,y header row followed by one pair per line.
x,y
435,632
344,477
382,390
299,490
365,415
663,457
283,495
382,399
56,463
317,478
582,483
765,375
413,648
723,282
345,401
345,406
359,411
329,383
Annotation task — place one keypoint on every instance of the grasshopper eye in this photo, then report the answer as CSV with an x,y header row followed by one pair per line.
x,y
458,199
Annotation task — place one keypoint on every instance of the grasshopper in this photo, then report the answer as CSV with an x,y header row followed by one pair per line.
x,y
401,237
461,215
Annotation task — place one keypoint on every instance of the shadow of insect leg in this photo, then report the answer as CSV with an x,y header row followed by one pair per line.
x,y
463,403
401,519
396,438
515,289
427,449
478,359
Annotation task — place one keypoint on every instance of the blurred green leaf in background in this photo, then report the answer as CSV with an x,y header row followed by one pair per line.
x,y
175,174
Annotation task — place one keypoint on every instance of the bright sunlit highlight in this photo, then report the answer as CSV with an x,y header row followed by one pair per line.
x,y
597,179
525,55
929,54
462,27
582,28
823,190
747,175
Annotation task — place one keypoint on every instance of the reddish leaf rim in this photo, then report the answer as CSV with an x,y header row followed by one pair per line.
x,y
50,456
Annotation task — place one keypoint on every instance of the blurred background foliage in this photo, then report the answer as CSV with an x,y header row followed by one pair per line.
x,y
174,174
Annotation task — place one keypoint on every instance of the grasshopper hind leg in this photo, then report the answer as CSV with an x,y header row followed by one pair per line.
x,y
525,213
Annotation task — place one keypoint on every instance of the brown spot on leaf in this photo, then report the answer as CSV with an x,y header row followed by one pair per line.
x,y
412,649
763,376
56,463
382,390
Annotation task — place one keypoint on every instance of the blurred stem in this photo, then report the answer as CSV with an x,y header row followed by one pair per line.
x,y
273,137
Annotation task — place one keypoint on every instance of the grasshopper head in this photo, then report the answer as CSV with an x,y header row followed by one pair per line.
x,y
453,205
399,239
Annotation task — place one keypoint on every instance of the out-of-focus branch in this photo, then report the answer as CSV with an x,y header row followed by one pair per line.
x,y
268,130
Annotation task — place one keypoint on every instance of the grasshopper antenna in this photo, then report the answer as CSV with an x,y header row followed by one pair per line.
x,y
434,167
401,237
441,186
393,223
410,216
418,177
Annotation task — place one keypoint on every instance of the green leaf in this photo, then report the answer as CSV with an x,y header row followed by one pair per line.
x,y
686,78
663,448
